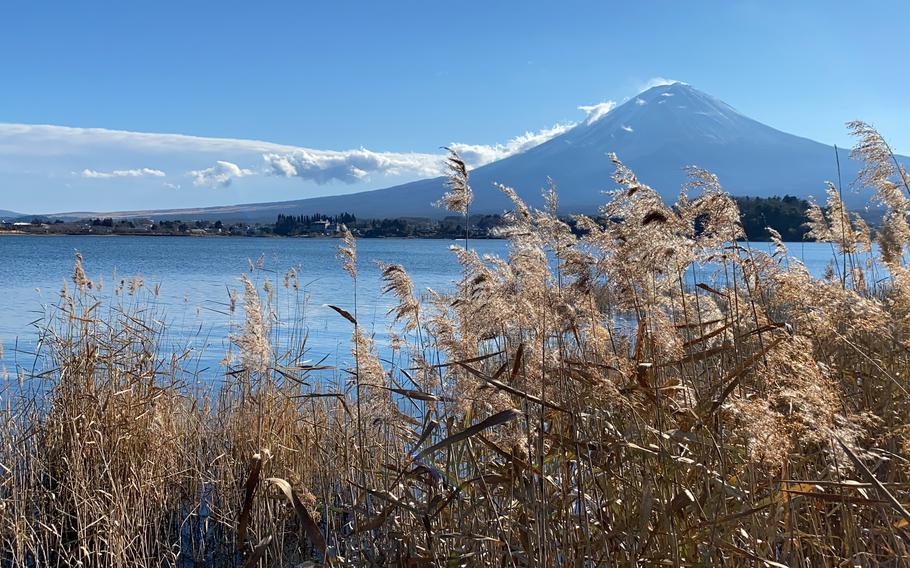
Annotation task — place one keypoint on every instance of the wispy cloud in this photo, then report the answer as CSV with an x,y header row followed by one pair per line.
x,y
219,175
597,111
479,154
140,172
52,140
656,82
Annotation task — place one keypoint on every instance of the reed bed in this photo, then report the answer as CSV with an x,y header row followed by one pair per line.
x,y
584,402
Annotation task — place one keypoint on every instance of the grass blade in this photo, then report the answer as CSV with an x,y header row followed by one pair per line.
x,y
306,520
495,420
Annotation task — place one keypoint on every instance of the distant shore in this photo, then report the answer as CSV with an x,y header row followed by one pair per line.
x,y
227,236
787,215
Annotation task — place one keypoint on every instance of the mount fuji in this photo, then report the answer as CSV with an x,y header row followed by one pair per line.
x,y
657,133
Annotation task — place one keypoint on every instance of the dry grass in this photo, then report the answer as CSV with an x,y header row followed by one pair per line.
x,y
599,409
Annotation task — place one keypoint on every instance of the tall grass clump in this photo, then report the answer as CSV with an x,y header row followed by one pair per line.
x,y
587,400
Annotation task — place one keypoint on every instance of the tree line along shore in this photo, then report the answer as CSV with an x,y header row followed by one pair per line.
x,y
786,215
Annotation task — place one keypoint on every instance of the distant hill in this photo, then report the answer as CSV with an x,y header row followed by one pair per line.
x,y
657,134
7,215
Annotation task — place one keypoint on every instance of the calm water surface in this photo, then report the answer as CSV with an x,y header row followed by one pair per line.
x,y
195,273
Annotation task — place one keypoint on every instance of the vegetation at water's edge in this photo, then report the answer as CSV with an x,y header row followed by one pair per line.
x,y
600,410
786,215
313,226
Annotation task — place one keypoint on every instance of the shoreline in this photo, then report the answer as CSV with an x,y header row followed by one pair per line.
x,y
211,236
295,237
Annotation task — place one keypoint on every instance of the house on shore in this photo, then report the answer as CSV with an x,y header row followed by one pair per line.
x,y
323,227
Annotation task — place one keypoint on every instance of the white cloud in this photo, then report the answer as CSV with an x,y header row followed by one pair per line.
x,y
627,128
219,175
597,111
476,155
640,102
352,166
140,172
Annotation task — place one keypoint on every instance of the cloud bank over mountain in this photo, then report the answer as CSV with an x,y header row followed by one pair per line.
x,y
113,169
99,168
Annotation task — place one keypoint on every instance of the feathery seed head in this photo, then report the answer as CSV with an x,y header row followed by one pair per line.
x,y
347,252
459,195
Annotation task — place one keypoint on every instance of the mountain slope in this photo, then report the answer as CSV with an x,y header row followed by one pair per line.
x,y
657,134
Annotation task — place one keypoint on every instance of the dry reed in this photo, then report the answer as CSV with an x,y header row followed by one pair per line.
x,y
583,402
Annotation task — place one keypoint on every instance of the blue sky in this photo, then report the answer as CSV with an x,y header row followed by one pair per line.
x,y
402,78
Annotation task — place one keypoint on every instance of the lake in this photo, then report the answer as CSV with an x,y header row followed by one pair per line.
x,y
195,273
